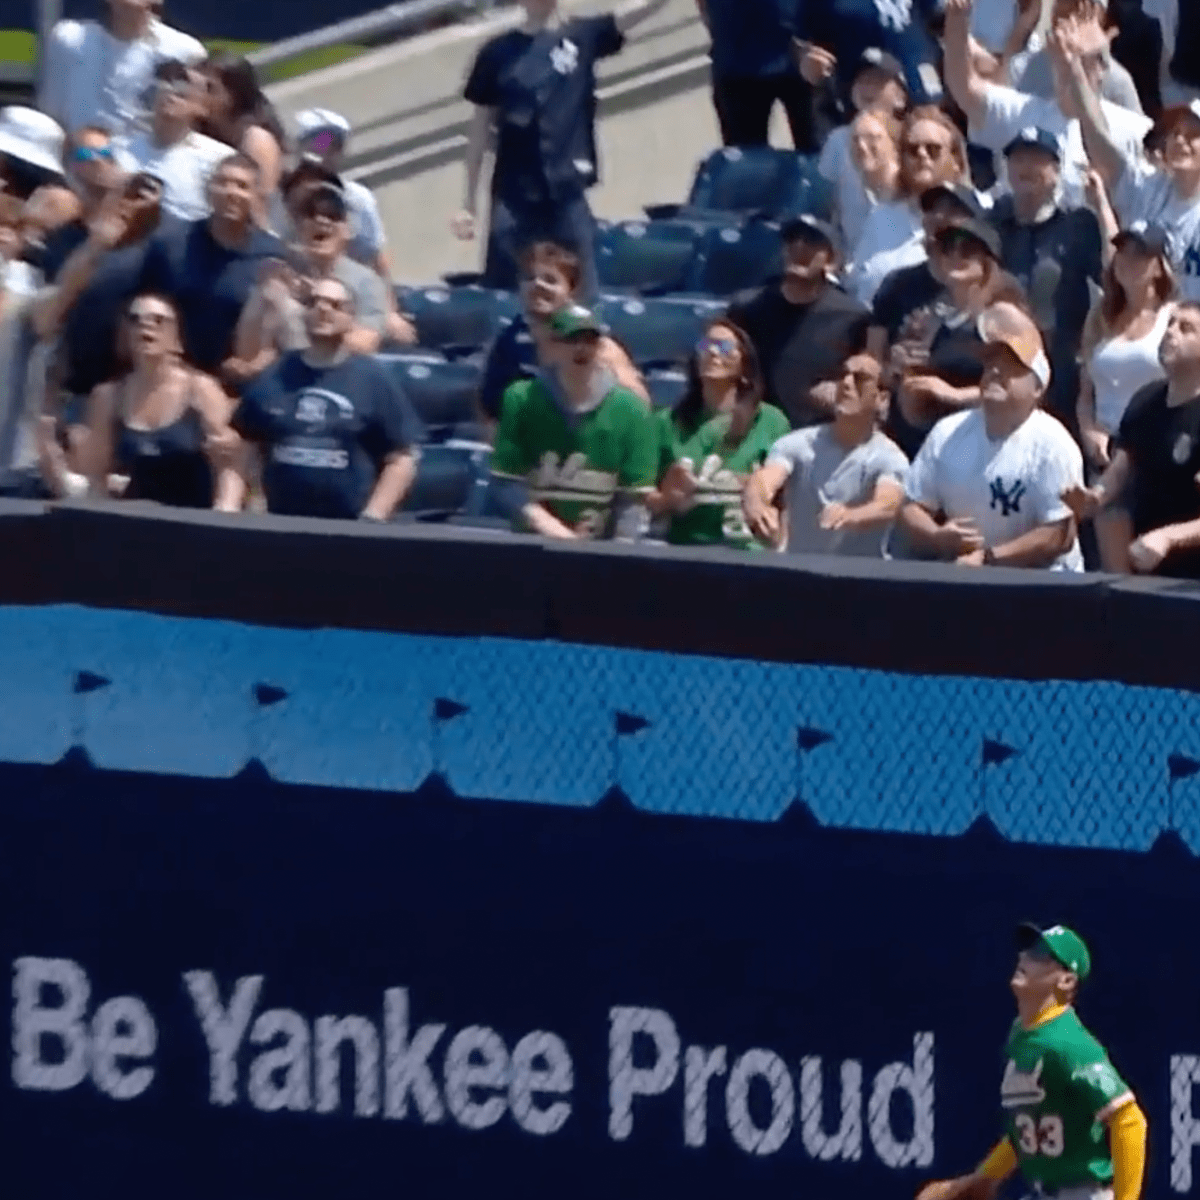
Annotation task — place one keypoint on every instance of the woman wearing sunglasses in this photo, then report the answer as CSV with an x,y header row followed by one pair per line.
x,y
932,154
713,441
936,367
158,425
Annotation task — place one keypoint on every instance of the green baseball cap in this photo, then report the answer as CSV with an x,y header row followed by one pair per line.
x,y
1063,944
575,321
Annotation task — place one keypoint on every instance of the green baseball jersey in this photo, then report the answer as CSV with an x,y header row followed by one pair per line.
x,y
1058,1089
578,464
721,468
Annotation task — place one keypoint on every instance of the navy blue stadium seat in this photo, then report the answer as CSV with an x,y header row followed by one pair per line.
x,y
456,318
657,329
443,393
759,181
646,256
666,386
451,479
736,257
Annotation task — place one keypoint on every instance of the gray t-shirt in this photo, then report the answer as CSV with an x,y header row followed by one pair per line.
x,y
370,304
1037,78
821,472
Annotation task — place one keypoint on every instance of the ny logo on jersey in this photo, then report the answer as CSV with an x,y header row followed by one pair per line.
x,y
1007,500
1021,1088
564,57
894,14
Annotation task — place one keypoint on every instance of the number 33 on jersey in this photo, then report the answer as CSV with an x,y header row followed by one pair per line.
x,y
1058,1090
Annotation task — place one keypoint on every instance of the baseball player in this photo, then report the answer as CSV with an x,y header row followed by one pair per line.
x,y
1073,1127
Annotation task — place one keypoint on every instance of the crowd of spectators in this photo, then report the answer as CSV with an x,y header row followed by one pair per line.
x,y
985,349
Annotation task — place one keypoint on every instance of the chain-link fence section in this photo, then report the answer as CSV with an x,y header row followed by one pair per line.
x,y
1062,763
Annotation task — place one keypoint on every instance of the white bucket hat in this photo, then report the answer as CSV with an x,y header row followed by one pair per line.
x,y
32,137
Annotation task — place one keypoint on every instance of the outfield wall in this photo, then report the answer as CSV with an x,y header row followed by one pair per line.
x,y
340,860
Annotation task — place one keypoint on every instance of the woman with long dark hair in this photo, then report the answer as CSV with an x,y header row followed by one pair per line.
x,y
241,116
158,425
1119,356
714,439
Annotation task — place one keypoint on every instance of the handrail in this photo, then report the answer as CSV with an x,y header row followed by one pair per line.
x,y
393,19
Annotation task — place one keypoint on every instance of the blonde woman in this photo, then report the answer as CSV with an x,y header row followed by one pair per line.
x,y
875,161
932,153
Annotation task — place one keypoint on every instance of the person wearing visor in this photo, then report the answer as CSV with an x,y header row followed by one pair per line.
x,y
1073,1128
576,454
534,96
171,149
987,487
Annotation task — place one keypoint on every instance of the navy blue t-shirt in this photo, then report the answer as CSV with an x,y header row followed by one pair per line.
x,y
511,357
324,432
543,88
88,343
209,283
751,38
848,27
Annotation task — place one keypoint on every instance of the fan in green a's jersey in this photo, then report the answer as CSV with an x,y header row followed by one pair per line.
x,y
1072,1126
582,450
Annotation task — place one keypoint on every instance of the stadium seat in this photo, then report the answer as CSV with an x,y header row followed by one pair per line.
x,y
666,386
759,181
451,479
657,329
646,256
736,257
443,393
456,319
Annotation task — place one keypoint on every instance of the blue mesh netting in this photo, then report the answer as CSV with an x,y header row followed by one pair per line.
x,y
1084,764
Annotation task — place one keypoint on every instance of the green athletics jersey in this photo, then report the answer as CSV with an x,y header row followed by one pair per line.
x,y
576,465
721,469
1059,1087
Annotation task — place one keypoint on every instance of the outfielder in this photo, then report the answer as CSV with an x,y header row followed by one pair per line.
x,y
1073,1127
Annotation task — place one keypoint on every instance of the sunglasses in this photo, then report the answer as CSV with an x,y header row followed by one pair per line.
x,y
717,345
318,301
84,154
930,150
149,316
959,242
323,140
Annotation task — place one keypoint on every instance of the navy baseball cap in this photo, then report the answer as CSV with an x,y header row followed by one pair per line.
x,y
1152,238
808,228
980,231
1033,138
959,193
874,59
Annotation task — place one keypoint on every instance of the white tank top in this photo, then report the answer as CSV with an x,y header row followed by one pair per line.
x,y
1121,366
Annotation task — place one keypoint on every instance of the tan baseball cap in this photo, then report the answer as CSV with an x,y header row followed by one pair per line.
x,y
1005,324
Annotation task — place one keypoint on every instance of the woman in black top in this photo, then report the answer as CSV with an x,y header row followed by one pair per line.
x,y
156,424
936,360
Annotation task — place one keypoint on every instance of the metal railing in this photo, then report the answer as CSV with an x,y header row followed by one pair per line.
x,y
385,22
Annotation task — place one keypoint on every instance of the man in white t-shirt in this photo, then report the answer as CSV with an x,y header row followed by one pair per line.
x,y
845,479
97,72
171,150
986,487
997,114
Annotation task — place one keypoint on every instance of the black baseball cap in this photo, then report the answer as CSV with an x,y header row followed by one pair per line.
x,y
1033,138
807,228
1154,239
980,231
874,59
961,194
